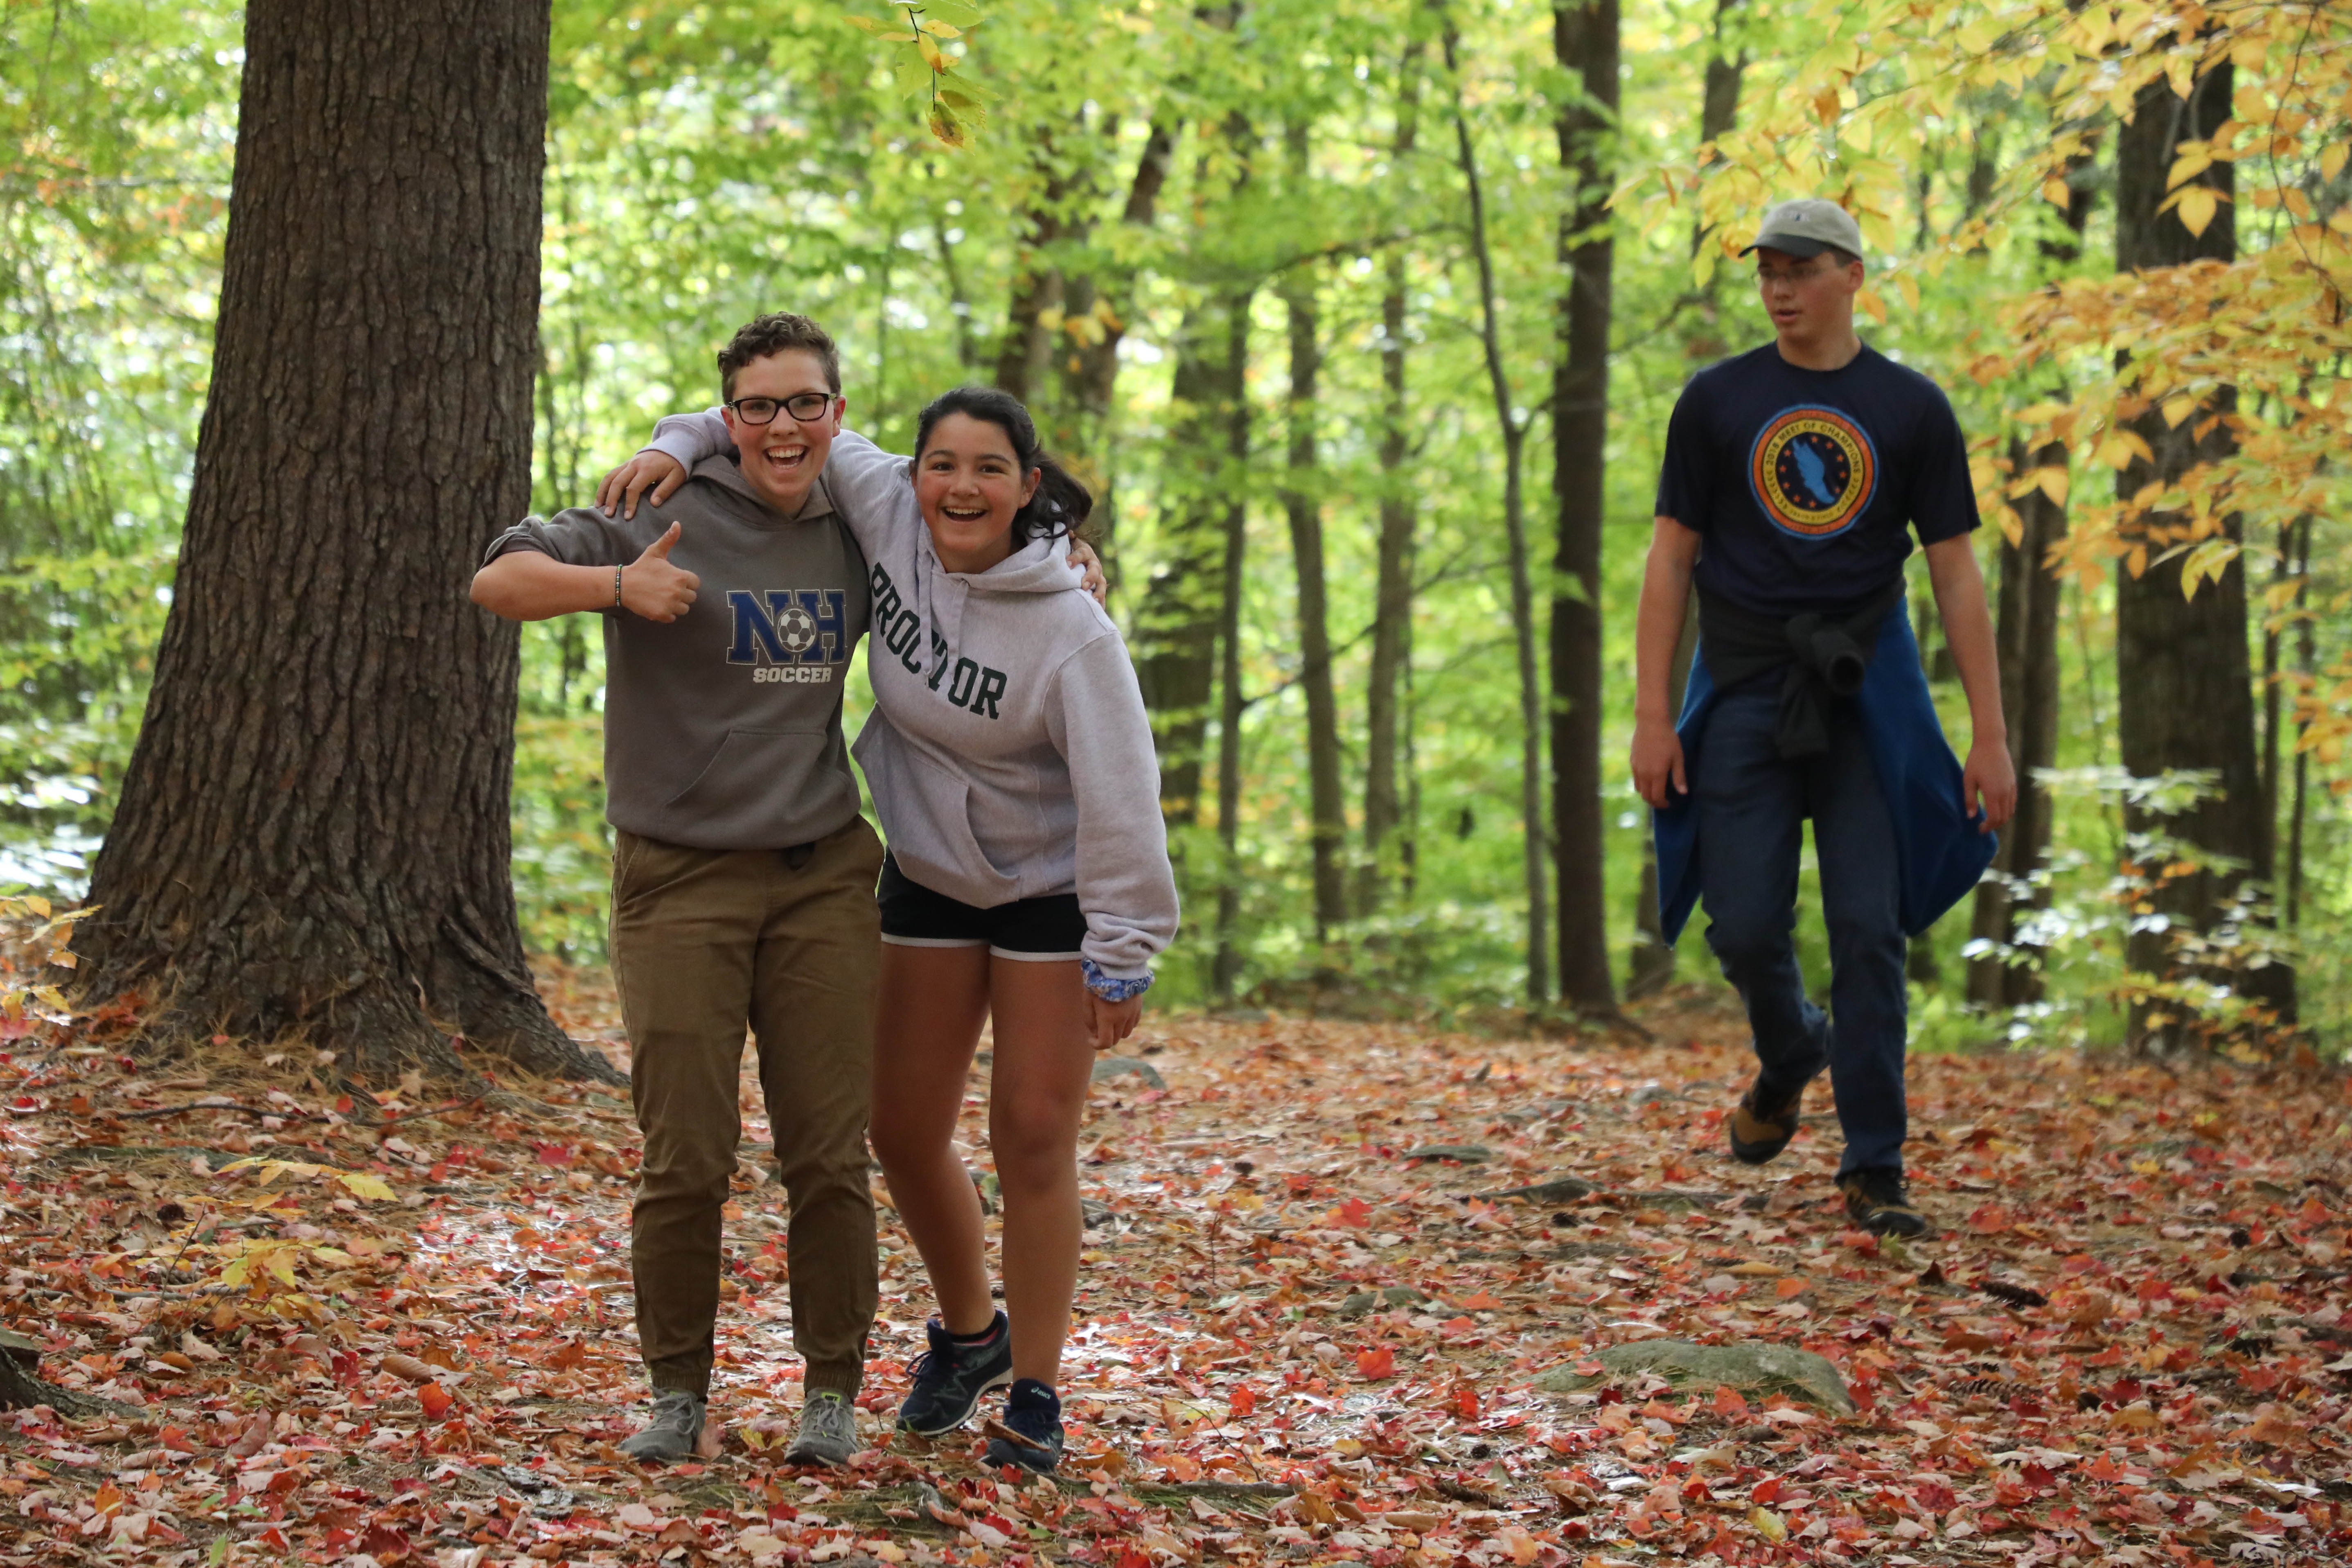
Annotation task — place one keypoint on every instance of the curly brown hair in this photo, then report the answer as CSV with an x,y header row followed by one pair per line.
x,y
773,334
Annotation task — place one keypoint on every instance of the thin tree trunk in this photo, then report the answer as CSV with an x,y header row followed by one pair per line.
x,y
1026,351
1227,967
1392,594
1515,530
2027,637
1585,40
313,831
1302,501
1651,963
2305,669
2026,632
1176,626
2184,696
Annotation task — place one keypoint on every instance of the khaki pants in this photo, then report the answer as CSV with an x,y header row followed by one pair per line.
x,y
704,941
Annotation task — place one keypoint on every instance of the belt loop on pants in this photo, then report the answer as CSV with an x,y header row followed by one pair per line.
x,y
798,856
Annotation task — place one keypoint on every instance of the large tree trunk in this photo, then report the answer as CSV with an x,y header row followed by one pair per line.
x,y
1392,592
1584,40
2184,698
313,832
1302,501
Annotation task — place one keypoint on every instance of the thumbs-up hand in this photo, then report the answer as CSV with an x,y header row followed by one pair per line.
x,y
652,587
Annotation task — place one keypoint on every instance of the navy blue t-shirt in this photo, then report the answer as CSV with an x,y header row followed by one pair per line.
x,y
1803,482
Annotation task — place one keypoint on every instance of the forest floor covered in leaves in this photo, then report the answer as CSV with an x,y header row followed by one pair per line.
x,y
1308,1329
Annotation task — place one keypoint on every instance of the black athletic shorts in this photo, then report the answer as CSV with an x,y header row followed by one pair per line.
x,y
1038,930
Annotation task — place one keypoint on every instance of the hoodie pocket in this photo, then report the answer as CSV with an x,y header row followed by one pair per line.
x,y
926,810
776,787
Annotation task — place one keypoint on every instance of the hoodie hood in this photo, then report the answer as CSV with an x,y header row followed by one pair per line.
x,y
723,470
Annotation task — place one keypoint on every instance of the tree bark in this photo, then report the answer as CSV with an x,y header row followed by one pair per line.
x,y
2026,633
1584,40
1302,501
1226,967
1392,592
1176,626
1515,532
313,831
1651,963
2184,696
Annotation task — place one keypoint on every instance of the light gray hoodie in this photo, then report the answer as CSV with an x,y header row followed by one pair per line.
x,y
1009,753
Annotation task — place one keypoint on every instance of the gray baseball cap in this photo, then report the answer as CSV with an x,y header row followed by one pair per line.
x,y
1807,226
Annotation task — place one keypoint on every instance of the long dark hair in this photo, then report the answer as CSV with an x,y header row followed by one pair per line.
x,y
1061,504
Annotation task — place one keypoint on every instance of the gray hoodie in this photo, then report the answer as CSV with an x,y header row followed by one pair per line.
x,y
1009,753
722,729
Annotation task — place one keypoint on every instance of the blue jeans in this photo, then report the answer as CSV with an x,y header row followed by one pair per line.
x,y
1751,810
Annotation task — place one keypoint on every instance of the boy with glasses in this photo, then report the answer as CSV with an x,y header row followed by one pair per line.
x,y
742,873
1794,475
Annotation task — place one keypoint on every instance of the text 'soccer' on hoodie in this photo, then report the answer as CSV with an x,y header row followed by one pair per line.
x,y
1009,753
722,729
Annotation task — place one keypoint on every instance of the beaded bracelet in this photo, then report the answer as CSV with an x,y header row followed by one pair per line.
x,y
1112,989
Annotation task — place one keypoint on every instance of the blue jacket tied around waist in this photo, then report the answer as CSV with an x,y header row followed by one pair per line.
x,y
1942,854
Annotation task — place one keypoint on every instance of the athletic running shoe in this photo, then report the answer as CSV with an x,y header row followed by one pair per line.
x,y
1875,1201
949,1378
1035,1411
676,1427
828,1431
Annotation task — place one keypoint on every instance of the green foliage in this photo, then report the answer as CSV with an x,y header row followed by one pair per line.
x,y
713,159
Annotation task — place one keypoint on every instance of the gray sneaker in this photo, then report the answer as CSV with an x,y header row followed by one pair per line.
x,y
676,1427
828,1431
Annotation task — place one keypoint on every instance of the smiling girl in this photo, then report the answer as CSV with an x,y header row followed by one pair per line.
x,y
1027,884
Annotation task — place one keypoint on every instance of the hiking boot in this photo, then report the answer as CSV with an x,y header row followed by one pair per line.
x,y
1875,1202
1759,1132
676,1427
949,1378
1034,1411
828,1431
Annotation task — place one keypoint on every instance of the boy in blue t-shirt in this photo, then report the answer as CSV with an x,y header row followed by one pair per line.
x,y
1794,476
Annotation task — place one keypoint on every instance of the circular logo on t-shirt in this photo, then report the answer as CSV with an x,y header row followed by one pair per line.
x,y
1812,471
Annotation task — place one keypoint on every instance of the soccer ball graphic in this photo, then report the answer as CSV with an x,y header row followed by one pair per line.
x,y
796,630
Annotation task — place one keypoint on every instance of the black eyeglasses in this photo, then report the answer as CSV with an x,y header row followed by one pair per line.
x,y
801,406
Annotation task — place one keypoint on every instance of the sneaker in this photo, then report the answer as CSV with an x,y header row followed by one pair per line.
x,y
1758,1133
949,1379
828,1431
676,1427
1874,1201
1032,1412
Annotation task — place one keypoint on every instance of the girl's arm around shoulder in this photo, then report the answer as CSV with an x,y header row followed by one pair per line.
x,y
1126,887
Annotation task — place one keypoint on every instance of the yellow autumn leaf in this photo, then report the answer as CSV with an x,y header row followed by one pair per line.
x,y
2055,192
361,1184
2198,206
933,56
2331,160
281,1265
1768,1524
2177,408
2053,483
942,30
1871,302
